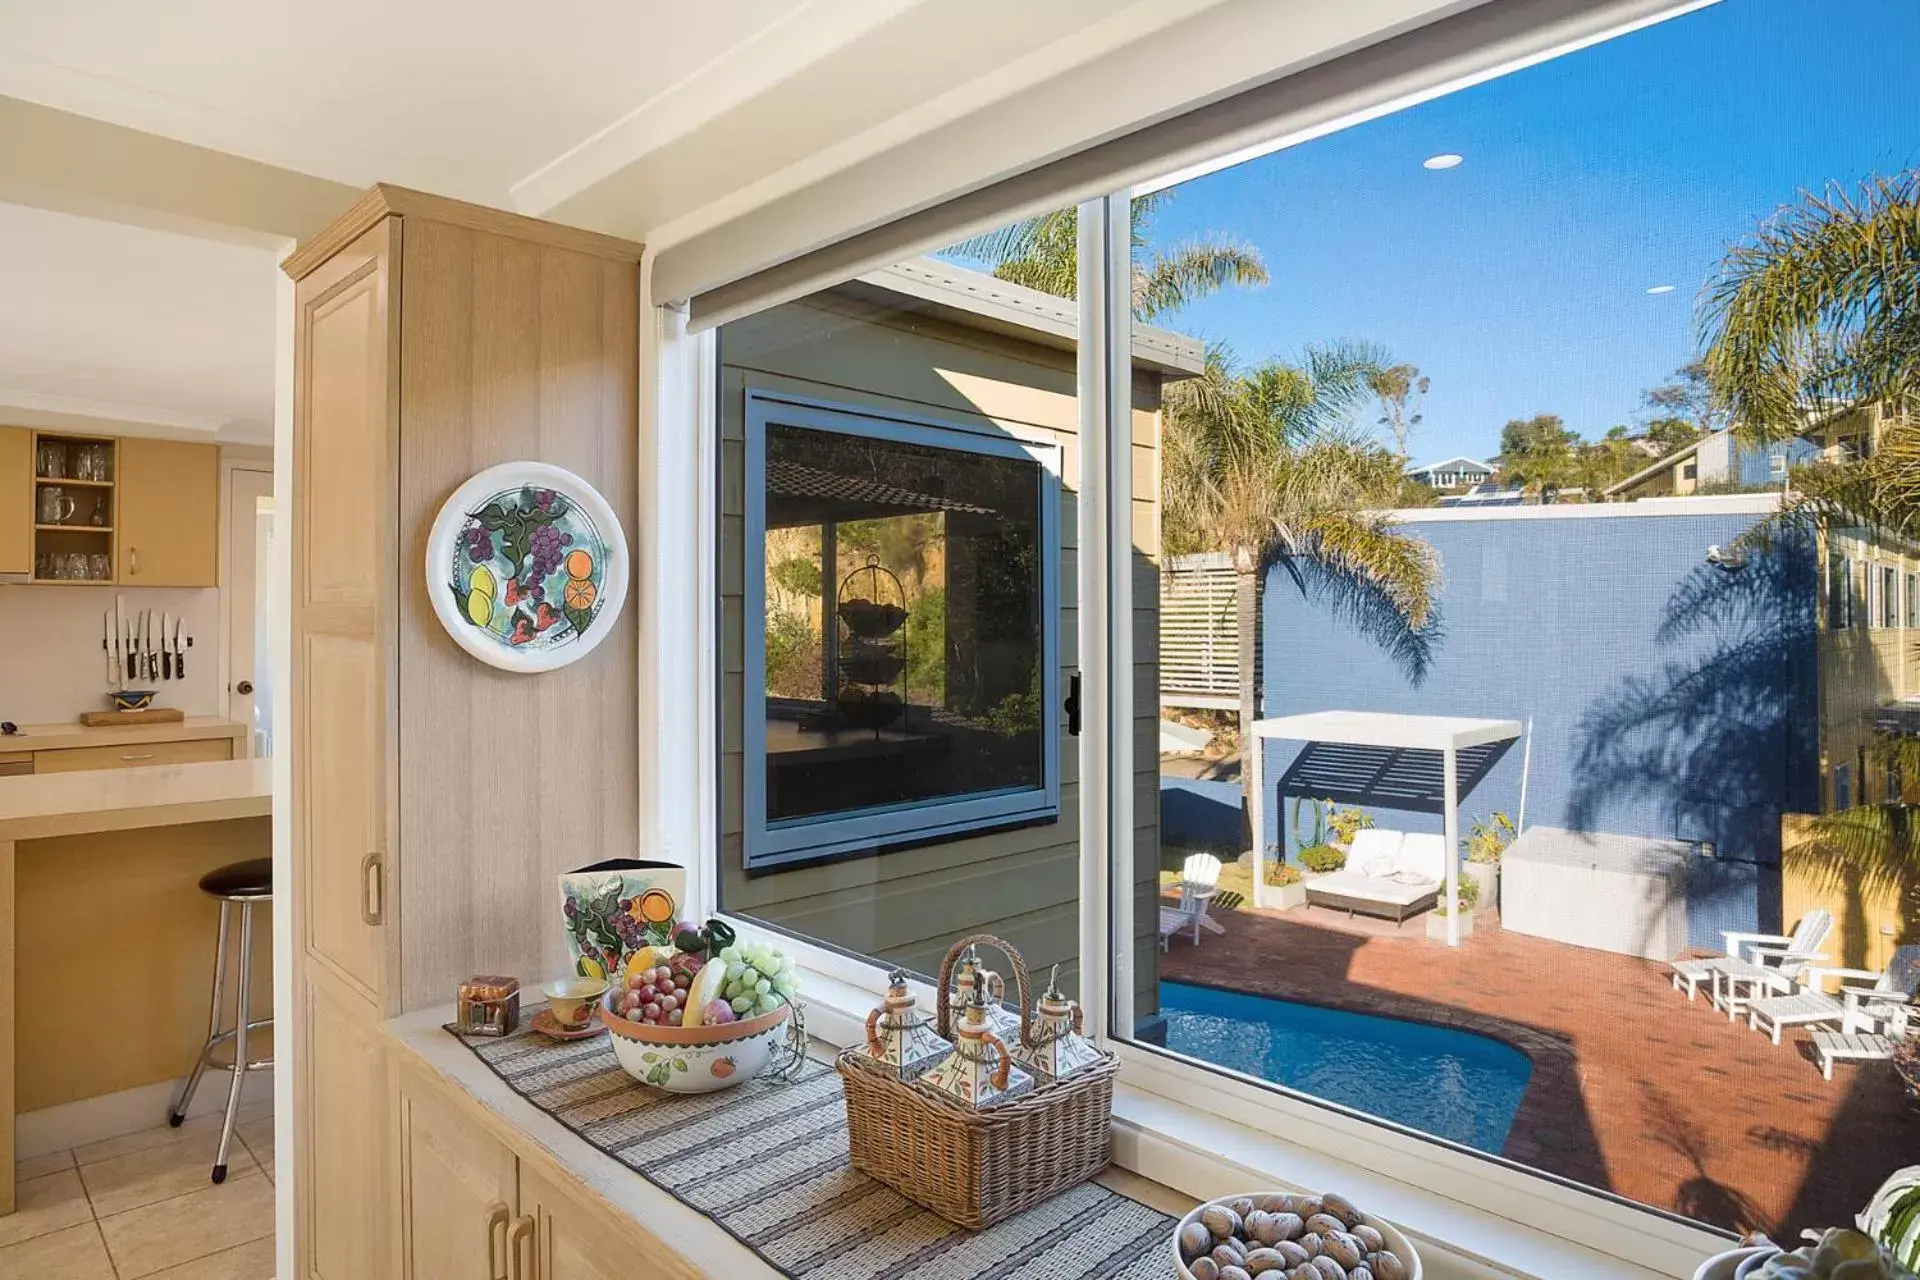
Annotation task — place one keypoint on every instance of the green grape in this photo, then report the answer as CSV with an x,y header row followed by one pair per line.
x,y
751,976
763,986
730,954
784,984
741,1004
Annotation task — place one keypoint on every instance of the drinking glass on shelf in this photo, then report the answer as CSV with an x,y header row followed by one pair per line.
x,y
99,566
52,460
43,566
56,505
99,517
99,461
76,566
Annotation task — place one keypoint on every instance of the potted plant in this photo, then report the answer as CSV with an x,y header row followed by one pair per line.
x,y
1463,905
1487,841
1344,824
1322,858
1288,888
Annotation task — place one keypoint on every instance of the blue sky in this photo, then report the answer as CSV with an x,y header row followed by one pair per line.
x,y
1517,281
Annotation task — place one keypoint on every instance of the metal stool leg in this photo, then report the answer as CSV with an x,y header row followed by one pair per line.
x,y
179,1113
242,1016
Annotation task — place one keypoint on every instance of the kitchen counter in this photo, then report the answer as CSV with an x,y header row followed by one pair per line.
x,y
60,737
122,849
61,804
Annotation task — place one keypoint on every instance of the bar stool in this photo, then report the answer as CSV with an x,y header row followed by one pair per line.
x,y
244,883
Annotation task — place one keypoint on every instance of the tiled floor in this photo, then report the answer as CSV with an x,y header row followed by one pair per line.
x,y
1634,1090
144,1205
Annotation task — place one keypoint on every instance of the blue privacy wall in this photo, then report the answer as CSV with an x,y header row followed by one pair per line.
x,y
1197,812
1667,697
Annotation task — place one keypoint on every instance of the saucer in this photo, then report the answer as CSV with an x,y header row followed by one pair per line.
x,y
543,1023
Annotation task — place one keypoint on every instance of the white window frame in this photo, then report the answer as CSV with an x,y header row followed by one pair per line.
x,y
766,845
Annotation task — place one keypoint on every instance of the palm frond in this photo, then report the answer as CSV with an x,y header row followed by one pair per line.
x,y
1171,280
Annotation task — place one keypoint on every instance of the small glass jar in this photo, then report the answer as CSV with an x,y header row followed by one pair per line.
x,y
488,1005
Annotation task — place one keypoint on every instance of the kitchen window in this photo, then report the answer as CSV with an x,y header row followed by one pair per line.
x,y
901,674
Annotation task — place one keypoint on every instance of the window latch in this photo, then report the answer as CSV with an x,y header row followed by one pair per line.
x,y
1072,704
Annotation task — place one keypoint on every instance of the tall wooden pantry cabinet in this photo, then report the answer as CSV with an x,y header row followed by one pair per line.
x,y
435,800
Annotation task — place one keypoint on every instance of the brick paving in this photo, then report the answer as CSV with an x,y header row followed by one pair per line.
x,y
1634,1090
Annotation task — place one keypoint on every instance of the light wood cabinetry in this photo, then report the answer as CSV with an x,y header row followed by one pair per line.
x,y
556,1238
433,339
458,1191
16,500
168,522
133,755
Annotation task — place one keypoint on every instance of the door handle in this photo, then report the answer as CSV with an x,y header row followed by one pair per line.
x,y
372,898
1072,705
497,1215
522,1231
244,688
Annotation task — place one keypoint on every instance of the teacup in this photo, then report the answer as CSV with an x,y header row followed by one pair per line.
x,y
571,1000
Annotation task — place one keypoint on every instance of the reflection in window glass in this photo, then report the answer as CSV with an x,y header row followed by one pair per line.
x,y
1499,458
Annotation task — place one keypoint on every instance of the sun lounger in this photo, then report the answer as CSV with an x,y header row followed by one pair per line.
x,y
1866,998
1830,1047
1788,954
1389,874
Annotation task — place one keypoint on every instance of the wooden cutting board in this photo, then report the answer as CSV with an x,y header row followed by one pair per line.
x,y
152,715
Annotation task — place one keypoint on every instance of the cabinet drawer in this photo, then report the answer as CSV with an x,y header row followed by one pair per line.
x,y
133,755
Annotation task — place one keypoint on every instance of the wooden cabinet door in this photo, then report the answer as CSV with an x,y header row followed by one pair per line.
x,y
345,574
341,1125
168,523
457,1191
557,1239
16,500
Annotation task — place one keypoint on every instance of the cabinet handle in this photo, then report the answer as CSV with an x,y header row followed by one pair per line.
x,y
145,755
133,562
522,1231
371,898
497,1215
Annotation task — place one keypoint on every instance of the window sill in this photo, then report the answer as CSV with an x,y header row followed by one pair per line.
x,y
1203,1155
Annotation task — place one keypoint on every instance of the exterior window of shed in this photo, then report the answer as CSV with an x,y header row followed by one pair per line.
x,y
1889,596
906,666
1913,602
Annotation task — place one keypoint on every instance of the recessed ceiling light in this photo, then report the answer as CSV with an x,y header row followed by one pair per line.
x,y
1445,160
1662,288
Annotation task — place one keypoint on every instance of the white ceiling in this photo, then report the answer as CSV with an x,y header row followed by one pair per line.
x,y
120,327
461,97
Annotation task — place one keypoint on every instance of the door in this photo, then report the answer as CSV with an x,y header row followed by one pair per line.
x,y
16,500
556,1239
457,1191
167,527
343,607
343,1136
243,600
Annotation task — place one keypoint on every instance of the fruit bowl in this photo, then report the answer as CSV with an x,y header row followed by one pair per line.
x,y
700,1059
1297,1231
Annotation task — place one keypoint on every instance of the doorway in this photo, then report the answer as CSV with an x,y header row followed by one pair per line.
x,y
247,696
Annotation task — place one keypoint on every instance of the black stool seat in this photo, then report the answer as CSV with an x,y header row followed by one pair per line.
x,y
250,879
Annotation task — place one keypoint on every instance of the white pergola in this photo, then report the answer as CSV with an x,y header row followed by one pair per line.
x,y
1448,735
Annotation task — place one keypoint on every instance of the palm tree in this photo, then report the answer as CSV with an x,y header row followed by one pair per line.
x,y
1820,310
1044,253
1257,464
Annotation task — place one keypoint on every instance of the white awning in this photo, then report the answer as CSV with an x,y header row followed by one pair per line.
x,y
1448,735
1388,729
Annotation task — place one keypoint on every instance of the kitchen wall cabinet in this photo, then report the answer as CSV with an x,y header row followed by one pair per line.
x,y
433,339
16,500
168,524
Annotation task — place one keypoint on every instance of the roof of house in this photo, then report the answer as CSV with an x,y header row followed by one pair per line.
x,y
980,301
1659,464
1446,463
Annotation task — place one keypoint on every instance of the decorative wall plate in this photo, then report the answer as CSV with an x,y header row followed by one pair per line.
x,y
527,567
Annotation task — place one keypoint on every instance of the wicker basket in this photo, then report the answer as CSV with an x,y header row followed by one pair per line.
x,y
975,1168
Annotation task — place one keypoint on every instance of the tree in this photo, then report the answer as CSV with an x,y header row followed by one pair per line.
x,y
1539,453
1819,309
1256,463
1400,389
1683,408
1044,253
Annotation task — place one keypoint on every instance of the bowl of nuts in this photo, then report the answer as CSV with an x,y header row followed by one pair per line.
x,y
1282,1236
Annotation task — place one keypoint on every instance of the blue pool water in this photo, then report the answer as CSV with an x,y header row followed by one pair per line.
x,y
1449,1083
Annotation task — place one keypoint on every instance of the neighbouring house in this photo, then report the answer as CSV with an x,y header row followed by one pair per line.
x,y
1678,693
1715,462
897,615
1453,473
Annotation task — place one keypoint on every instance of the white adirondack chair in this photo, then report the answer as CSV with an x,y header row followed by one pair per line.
x,y
1199,881
1790,954
1865,1000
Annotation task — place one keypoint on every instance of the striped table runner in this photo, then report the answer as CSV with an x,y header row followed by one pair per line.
x,y
767,1160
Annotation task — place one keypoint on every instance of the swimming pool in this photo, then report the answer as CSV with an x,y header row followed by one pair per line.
x,y
1440,1080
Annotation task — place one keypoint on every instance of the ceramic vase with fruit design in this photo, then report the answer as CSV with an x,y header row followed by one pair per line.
x,y
613,908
